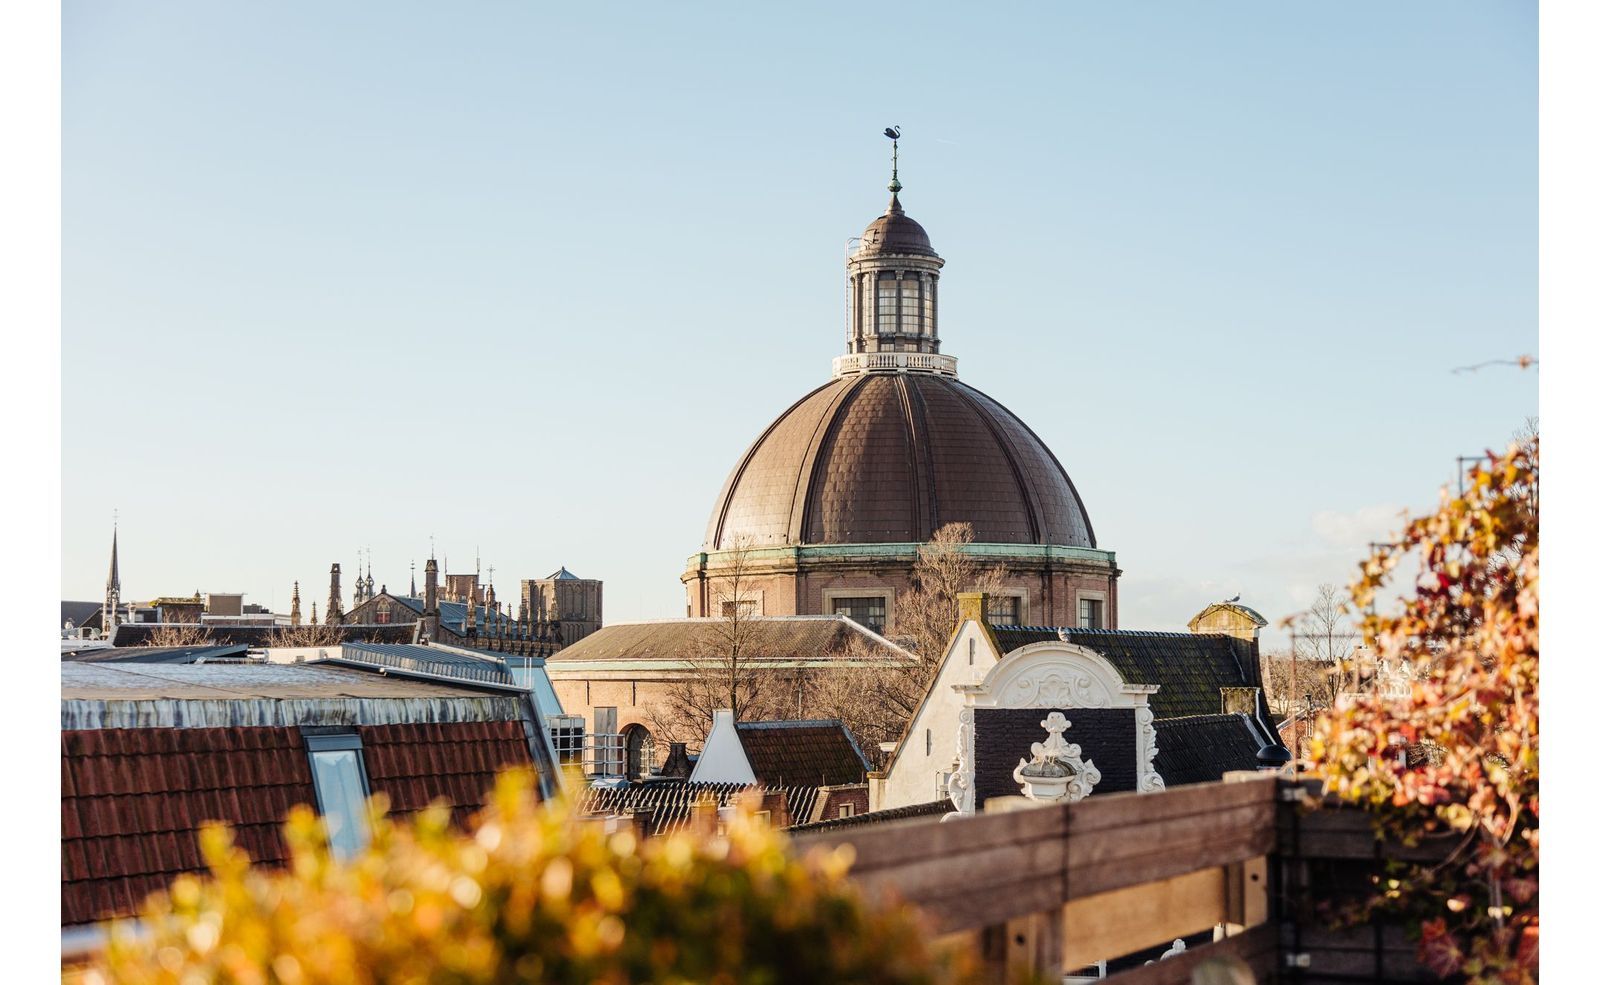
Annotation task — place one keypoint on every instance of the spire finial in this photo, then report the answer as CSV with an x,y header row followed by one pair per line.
x,y
893,133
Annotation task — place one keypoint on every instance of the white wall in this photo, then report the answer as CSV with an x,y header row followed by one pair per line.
x,y
300,654
914,775
723,759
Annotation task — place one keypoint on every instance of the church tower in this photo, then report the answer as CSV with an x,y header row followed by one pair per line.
x,y
430,600
294,606
335,614
108,612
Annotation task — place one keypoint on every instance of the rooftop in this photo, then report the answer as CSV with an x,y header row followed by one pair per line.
x,y
1190,668
242,682
160,654
1201,748
776,638
821,752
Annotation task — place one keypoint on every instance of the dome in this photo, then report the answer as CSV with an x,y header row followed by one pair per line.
x,y
890,458
896,232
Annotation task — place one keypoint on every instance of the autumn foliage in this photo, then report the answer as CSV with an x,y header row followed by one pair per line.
x,y
529,893
1458,758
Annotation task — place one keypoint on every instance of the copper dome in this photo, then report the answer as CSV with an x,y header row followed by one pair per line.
x,y
890,458
896,232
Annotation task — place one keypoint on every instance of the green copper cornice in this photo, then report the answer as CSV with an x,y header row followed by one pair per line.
x,y
771,555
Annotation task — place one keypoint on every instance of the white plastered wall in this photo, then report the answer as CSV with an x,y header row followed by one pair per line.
x,y
914,775
723,759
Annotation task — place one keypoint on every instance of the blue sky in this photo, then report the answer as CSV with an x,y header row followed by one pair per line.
x,y
529,280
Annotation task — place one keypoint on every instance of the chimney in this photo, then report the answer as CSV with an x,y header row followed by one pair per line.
x,y
677,763
971,605
1239,700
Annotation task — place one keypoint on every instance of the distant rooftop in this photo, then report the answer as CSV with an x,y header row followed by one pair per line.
x,y
242,682
776,638
161,654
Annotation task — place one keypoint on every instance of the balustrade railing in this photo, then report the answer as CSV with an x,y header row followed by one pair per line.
x,y
902,362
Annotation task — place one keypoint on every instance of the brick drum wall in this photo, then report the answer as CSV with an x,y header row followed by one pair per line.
x,y
1001,736
1052,595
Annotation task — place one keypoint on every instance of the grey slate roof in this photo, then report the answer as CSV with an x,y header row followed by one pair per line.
x,y
81,614
454,614
769,638
136,634
563,575
1191,668
935,808
161,654
244,682
1200,748
436,660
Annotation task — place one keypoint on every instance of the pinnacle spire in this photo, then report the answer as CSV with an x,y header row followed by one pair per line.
x,y
114,580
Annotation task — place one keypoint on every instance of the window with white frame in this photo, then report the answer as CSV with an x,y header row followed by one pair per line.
x,y
847,810
340,779
1091,613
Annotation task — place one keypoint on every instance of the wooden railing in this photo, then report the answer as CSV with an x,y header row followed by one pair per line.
x,y
1051,889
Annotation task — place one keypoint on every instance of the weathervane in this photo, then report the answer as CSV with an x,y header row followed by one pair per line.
x,y
893,133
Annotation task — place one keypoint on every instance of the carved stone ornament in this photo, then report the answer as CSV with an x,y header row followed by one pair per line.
x,y
1149,780
963,793
1057,771
1054,674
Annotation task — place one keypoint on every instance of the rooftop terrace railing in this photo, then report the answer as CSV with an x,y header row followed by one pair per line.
x,y
1058,888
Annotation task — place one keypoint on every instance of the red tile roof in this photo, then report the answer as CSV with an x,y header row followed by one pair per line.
x,y
418,764
133,799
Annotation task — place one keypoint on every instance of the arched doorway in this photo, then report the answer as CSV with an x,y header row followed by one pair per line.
x,y
639,749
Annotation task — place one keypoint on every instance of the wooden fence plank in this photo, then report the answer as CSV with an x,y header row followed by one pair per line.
x,y
1140,838
1109,925
1256,947
1164,858
1111,811
891,845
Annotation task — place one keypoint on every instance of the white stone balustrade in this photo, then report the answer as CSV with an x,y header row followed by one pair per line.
x,y
894,362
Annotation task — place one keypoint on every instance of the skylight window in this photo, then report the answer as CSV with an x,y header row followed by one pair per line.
x,y
341,782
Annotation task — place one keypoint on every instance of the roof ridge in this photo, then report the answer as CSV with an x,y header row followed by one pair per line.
x,y
1074,630
1195,718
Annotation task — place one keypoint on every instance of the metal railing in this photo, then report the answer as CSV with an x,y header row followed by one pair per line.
x,y
600,755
